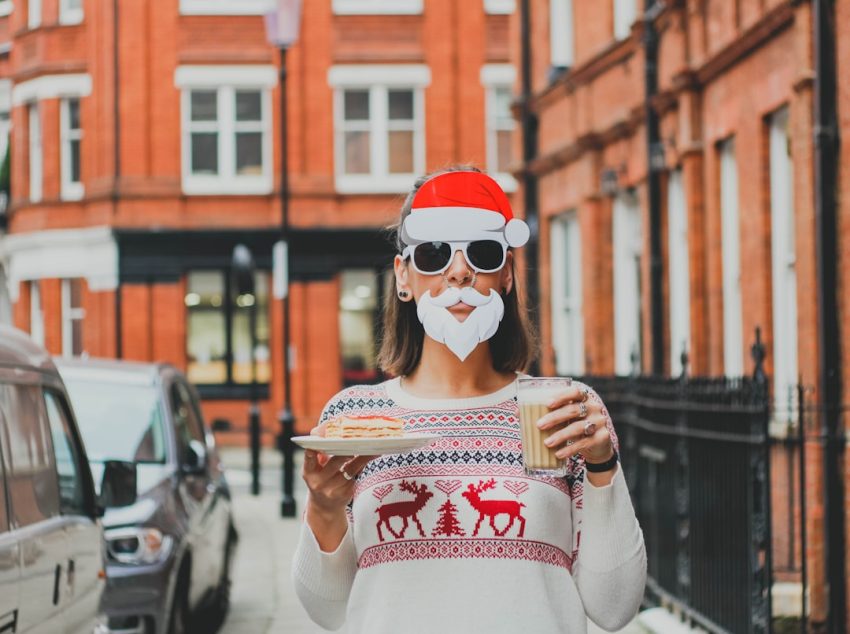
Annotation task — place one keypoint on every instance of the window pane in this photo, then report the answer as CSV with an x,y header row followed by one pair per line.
x,y
503,150
502,103
206,331
358,314
71,493
95,398
204,105
75,161
74,114
356,105
248,105
249,153
76,337
241,332
185,415
401,105
31,472
401,152
357,160
205,153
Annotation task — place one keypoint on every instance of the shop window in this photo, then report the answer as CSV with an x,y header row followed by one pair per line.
x,y
72,317
358,318
218,330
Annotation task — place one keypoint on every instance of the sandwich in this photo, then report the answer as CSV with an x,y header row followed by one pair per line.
x,y
364,427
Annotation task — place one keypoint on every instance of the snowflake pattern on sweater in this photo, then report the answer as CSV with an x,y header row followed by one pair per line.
x,y
466,496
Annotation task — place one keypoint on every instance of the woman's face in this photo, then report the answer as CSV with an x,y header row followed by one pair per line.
x,y
459,274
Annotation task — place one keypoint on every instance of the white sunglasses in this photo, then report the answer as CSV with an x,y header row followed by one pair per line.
x,y
432,258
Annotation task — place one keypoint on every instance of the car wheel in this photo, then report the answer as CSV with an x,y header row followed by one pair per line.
x,y
217,612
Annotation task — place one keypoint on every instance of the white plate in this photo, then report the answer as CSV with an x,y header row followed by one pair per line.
x,y
365,446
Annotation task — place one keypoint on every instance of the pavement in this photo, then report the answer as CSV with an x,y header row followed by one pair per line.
x,y
263,600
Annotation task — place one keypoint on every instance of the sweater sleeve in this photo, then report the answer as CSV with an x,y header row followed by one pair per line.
x,y
323,580
610,571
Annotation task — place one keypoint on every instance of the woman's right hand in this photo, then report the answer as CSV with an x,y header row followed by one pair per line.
x,y
331,482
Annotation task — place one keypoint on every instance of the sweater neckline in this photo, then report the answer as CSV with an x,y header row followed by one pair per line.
x,y
408,400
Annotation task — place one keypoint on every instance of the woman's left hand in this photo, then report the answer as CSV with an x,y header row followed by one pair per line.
x,y
581,423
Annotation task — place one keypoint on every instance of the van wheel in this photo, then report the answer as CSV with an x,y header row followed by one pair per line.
x,y
178,622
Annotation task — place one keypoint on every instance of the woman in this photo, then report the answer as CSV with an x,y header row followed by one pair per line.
x,y
456,537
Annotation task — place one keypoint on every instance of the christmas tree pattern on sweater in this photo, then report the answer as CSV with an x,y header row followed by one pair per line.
x,y
465,496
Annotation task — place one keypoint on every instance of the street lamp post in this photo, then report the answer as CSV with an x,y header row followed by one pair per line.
x,y
282,26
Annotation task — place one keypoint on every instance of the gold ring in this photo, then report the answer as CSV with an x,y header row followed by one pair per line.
x,y
346,475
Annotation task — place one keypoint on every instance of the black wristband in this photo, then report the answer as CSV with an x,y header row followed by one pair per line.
x,y
601,467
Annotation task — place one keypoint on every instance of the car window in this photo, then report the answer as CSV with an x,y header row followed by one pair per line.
x,y
186,421
72,498
31,479
4,511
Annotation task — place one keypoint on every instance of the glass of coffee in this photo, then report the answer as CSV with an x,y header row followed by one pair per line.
x,y
533,396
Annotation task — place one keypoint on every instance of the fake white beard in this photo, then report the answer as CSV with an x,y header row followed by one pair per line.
x,y
461,337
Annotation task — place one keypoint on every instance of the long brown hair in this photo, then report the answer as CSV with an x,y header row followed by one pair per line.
x,y
512,347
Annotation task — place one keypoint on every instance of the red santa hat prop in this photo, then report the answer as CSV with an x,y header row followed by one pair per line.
x,y
463,206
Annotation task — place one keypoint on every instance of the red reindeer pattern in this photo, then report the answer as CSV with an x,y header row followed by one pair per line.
x,y
404,510
492,508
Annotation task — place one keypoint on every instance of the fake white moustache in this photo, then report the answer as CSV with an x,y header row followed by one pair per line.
x,y
461,337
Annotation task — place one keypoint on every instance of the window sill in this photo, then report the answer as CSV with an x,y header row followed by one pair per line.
x,y
377,7
367,184
234,392
71,17
499,7
72,192
223,7
6,8
227,187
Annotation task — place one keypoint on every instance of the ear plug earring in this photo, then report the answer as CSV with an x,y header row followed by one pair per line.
x,y
403,294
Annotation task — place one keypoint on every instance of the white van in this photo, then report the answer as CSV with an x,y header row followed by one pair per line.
x,y
52,555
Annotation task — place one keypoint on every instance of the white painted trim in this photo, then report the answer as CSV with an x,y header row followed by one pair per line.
x,y
36,152
70,16
36,311
68,189
561,33
52,87
214,76
500,74
628,248
730,219
368,75
33,14
224,7
679,278
625,14
6,8
567,309
377,7
499,7
90,253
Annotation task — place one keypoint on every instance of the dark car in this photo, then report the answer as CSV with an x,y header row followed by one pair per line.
x,y
170,553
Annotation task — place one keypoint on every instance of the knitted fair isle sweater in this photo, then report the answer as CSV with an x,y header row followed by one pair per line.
x,y
456,538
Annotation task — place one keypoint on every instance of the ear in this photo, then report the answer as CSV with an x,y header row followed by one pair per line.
x,y
506,279
401,272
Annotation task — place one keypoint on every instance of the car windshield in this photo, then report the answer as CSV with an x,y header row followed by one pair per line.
x,y
118,421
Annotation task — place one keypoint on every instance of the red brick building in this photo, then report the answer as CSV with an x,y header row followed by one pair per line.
x,y
735,154
145,146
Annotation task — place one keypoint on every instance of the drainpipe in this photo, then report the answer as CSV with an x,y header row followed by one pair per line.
x,y
654,163
829,342
116,161
529,153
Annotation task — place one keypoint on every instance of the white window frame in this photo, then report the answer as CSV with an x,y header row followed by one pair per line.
x,y
561,33
493,77
784,271
6,8
378,80
225,81
36,154
224,7
70,15
377,7
625,15
567,306
33,14
628,250
499,7
733,336
69,316
679,268
36,313
69,190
